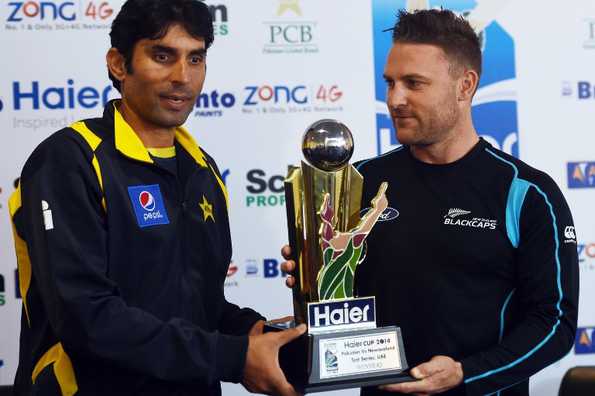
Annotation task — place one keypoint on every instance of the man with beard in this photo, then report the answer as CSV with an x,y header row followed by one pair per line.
x,y
122,236
479,269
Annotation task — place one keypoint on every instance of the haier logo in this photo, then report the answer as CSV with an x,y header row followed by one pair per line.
x,y
583,342
581,90
148,205
581,174
263,190
343,314
36,96
494,108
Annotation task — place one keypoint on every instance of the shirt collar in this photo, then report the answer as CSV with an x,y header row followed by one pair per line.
x,y
128,143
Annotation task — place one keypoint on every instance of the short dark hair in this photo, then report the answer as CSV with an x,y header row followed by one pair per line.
x,y
442,28
150,19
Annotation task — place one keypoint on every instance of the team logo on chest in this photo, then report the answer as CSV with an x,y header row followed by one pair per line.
x,y
207,209
148,205
461,218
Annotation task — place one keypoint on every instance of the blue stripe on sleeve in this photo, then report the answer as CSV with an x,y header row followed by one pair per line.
x,y
558,281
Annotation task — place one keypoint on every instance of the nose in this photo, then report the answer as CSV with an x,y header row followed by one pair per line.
x,y
396,96
181,72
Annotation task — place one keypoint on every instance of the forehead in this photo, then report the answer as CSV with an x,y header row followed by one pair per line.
x,y
176,37
409,58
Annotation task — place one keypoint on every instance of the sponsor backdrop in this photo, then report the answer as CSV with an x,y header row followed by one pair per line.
x,y
275,67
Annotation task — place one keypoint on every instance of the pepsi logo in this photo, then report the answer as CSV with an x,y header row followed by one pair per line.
x,y
147,201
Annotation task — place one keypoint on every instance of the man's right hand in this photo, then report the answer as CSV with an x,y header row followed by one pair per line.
x,y
288,266
262,373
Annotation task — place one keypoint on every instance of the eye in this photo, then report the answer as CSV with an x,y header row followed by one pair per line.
x,y
389,83
413,84
197,59
162,58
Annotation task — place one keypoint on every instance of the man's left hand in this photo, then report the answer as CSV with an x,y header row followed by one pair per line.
x,y
440,374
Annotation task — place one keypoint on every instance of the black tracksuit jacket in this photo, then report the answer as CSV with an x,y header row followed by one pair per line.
x,y
476,260
121,266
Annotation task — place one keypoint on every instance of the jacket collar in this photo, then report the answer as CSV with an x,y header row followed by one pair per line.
x,y
129,144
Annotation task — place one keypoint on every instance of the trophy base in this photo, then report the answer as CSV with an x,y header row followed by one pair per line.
x,y
343,359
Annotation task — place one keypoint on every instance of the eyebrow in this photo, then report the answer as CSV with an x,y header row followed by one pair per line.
x,y
173,51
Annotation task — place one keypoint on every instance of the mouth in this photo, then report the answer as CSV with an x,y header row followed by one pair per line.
x,y
175,102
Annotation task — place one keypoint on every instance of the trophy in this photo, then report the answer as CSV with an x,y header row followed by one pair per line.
x,y
343,348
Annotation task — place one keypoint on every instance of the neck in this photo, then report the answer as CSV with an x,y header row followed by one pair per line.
x,y
150,134
458,142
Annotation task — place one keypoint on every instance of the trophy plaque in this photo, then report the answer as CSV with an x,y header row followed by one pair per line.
x,y
343,348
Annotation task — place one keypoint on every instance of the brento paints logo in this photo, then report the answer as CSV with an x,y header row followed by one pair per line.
x,y
494,108
214,103
581,174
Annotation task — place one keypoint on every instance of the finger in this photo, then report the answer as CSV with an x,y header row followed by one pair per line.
x,y
286,252
408,387
290,281
426,369
288,266
283,319
286,389
286,336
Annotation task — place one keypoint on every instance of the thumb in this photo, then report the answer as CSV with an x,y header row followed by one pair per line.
x,y
286,336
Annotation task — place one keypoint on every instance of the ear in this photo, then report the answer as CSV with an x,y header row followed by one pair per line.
x,y
467,85
116,64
